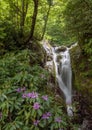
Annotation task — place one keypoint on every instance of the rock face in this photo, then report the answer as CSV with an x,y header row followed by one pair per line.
x,y
59,57
49,66
82,83
49,57
39,56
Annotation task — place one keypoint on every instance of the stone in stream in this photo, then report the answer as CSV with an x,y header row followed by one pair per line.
x,y
69,110
59,57
49,66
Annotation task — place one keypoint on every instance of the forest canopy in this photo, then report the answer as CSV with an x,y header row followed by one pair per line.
x,y
59,21
21,20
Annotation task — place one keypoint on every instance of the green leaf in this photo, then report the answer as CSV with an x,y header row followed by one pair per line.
x,y
33,113
39,112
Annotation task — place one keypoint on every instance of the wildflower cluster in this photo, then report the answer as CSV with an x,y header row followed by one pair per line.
x,y
46,115
30,95
39,107
21,106
45,97
36,106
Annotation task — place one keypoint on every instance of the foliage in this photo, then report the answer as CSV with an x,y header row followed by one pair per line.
x,y
67,21
23,104
19,112
77,16
87,48
17,21
16,69
55,32
78,22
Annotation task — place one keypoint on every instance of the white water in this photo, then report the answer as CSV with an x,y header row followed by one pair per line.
x,y
63,71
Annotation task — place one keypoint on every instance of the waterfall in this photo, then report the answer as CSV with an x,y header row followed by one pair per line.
x,y
62,65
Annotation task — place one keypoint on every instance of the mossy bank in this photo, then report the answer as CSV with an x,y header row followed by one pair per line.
x,y
82,82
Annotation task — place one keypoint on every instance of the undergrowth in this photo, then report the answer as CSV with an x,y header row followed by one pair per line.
x,y
25,103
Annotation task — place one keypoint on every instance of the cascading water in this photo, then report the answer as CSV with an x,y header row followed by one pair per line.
x,y
63,71
64,75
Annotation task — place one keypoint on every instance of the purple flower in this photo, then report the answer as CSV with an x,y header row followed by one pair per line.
x,y
24,95
0,115
45,97
36,122
34,95
46,115
36,106
18,90
29,95
58,119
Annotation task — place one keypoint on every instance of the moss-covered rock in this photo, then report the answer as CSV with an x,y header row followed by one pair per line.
x,y
82,80
38,54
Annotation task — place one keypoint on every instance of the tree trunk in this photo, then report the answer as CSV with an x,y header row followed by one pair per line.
x,y
45,22
33,20
23,16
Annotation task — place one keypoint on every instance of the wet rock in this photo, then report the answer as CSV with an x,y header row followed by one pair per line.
x,y
85,125
59,57
49,57
49,66
60,49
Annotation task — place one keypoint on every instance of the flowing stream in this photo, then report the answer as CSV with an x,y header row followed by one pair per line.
x,y
62,66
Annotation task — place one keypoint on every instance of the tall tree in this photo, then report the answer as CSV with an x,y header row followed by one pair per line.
x,y
50,3
24,5
34,17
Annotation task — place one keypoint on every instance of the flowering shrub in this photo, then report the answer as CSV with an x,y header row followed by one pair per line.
x,y
24,105
30,110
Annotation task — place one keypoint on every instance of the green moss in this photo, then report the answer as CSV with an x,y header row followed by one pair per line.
x,y
82,75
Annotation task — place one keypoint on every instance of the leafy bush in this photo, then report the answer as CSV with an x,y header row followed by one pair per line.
x,y
15,70
24,105
23,109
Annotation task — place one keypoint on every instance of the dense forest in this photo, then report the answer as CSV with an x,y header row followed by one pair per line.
x,y
30,98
